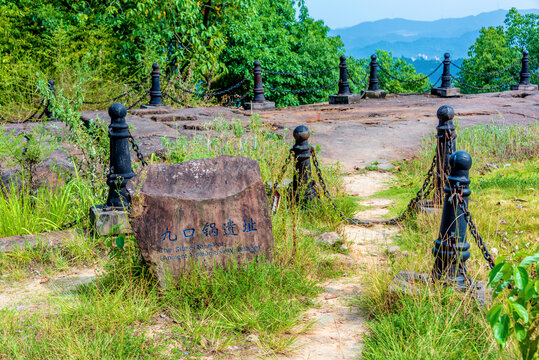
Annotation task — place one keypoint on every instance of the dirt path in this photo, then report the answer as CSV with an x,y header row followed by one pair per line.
x,y
339,329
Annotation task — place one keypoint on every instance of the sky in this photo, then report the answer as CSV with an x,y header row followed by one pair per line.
x,y
344,13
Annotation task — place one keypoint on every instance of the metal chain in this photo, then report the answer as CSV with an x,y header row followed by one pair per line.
x,y
136,149
409,81
299,73
354,82
326,192
486,74
473,229
478,88
216,93
426,189
304,90
409,94
135,87
139,100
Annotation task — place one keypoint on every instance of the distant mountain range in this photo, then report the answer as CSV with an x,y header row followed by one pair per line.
x,y
427,40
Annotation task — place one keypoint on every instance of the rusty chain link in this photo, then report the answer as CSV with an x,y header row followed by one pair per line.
x,y
136,149
473,230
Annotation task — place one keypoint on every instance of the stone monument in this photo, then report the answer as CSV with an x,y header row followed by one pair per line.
x,y
209,212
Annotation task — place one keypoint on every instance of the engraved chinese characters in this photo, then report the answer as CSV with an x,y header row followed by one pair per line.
x,y
208,211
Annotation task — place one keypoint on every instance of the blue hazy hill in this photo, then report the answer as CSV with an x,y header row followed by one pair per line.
x,y
419,39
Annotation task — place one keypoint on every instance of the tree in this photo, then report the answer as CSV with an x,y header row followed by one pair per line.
x,y
490,53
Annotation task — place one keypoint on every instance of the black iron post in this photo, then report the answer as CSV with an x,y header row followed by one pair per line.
x,y
155,91
258,87
525,71
48,108
302,156
451,250
445,146
373,78
446,74
120,158
344,85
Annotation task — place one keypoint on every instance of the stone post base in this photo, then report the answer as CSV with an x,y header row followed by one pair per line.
x,y
529,87
445,92
105,220
266,105
156,106
376,94
345,99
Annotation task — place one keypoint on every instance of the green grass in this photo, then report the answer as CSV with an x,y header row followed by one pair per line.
x,y
118,316
435,323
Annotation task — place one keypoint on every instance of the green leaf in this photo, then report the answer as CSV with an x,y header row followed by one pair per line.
x,y
521,277
493,315
521,311
496,273
120,241
537,286
501,330
520,331
529,260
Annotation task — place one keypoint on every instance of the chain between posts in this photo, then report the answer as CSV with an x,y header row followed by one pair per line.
x,y
409,81
135,87
426,189
136,149
235,102
216,93
473,229
300,73
486,74
478,88
304,90
353,81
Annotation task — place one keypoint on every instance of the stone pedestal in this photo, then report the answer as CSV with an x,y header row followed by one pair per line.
x,y
445,92
345,99
109,221
529,87
158,106
376,94
266,105
208,212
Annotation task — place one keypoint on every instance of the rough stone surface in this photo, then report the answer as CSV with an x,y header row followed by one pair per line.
x,y
208,211
345,99
328,238
106,221
445,92
376,94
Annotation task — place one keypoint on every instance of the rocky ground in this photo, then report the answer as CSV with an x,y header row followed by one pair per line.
x,y
382,130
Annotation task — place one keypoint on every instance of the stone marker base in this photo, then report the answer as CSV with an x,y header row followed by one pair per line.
x,y
345,99
158,106
529,87
429,207
104,220
266,105
445,92
376,94
412,283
